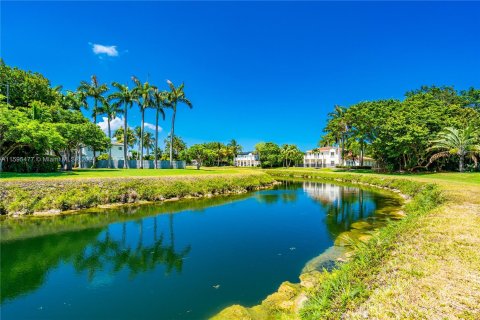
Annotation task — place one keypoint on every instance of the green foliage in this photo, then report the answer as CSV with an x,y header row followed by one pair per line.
x,y
269,154
31,196
398,133
39,163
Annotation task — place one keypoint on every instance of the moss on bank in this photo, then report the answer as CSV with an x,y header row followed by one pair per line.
x,y
26,197
330,295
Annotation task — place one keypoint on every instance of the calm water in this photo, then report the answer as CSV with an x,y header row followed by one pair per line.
x,y
178,260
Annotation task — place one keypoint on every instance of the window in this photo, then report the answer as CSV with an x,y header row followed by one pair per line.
x,y
119,148
332,154
332,163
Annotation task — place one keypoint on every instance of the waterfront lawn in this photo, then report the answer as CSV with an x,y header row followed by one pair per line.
x,y
116,173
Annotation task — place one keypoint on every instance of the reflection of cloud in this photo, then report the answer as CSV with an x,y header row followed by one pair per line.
x,y
100,49
152,126
115,123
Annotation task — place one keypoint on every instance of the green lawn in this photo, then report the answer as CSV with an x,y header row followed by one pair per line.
x,y
115,173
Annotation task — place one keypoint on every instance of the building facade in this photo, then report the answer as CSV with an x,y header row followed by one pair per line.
x,y
325,157
247,159
117,152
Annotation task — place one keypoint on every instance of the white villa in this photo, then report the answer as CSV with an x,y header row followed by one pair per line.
x,y
247,159
117,152
329,157
325,157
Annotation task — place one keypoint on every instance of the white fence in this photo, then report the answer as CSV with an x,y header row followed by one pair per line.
x,y
147,164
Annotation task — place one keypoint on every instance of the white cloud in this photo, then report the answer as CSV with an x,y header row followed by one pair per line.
x,y
152,127
100,49
115,123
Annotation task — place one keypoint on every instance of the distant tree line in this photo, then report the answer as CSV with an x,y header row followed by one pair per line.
x,y
433,128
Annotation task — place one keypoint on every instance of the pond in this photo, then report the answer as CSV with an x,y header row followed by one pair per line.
x,y
187,259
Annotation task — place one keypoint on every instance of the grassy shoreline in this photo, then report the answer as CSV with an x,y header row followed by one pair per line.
x,y
423,266
22,196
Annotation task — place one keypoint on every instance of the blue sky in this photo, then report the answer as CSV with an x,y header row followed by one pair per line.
x,y
254,71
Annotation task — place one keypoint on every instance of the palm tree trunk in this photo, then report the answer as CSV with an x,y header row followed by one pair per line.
x,y
460,168
343,149
125,161
361,151
95,122
141,138
110,138
172,133
156,140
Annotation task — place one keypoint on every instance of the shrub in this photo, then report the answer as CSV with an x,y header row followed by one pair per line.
x,y
39,163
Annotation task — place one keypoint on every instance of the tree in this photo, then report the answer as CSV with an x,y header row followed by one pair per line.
x,y
126,97
199,153
269,154
143,95
94,90
452,141
178,146
338,128
235,148
289,154
175,96
148,142
160,102
119,134
138,137
110,110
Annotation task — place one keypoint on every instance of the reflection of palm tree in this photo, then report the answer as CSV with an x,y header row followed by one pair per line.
x,y
108,251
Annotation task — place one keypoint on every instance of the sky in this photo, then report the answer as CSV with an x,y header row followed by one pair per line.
x,y
254,71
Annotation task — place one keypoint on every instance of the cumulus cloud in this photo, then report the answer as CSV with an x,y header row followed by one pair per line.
x,y
115,123
100,49
152,127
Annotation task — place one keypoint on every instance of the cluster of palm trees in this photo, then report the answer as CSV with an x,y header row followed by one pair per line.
x,y
144,95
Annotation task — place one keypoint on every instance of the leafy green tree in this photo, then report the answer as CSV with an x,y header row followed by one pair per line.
x,y
175,96
148,142
120,136
451,141
290,154
143,94
269,154
199,153
126,97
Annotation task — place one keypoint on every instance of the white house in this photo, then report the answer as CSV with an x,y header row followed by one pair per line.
x,y
325,157
117,152
247,159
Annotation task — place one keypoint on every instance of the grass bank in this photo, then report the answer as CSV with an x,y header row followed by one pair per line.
x,y
117,173
26,196
426,266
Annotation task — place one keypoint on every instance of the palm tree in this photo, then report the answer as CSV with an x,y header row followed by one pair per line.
x,y
452,141
110,110
126,97
160,101
147,142
341,126
235,148
143,94
175,96
138,137
95,91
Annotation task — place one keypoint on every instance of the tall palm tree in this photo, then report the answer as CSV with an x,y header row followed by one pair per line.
x,y
126,97
147,142
452,141
341,126
110,110
160,101
138,137
235,148
94,90
175,96
143,94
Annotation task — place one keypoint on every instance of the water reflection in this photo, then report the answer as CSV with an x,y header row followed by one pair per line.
x,y
178,266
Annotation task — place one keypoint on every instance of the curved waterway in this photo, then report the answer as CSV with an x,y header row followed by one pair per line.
x,y
178,260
